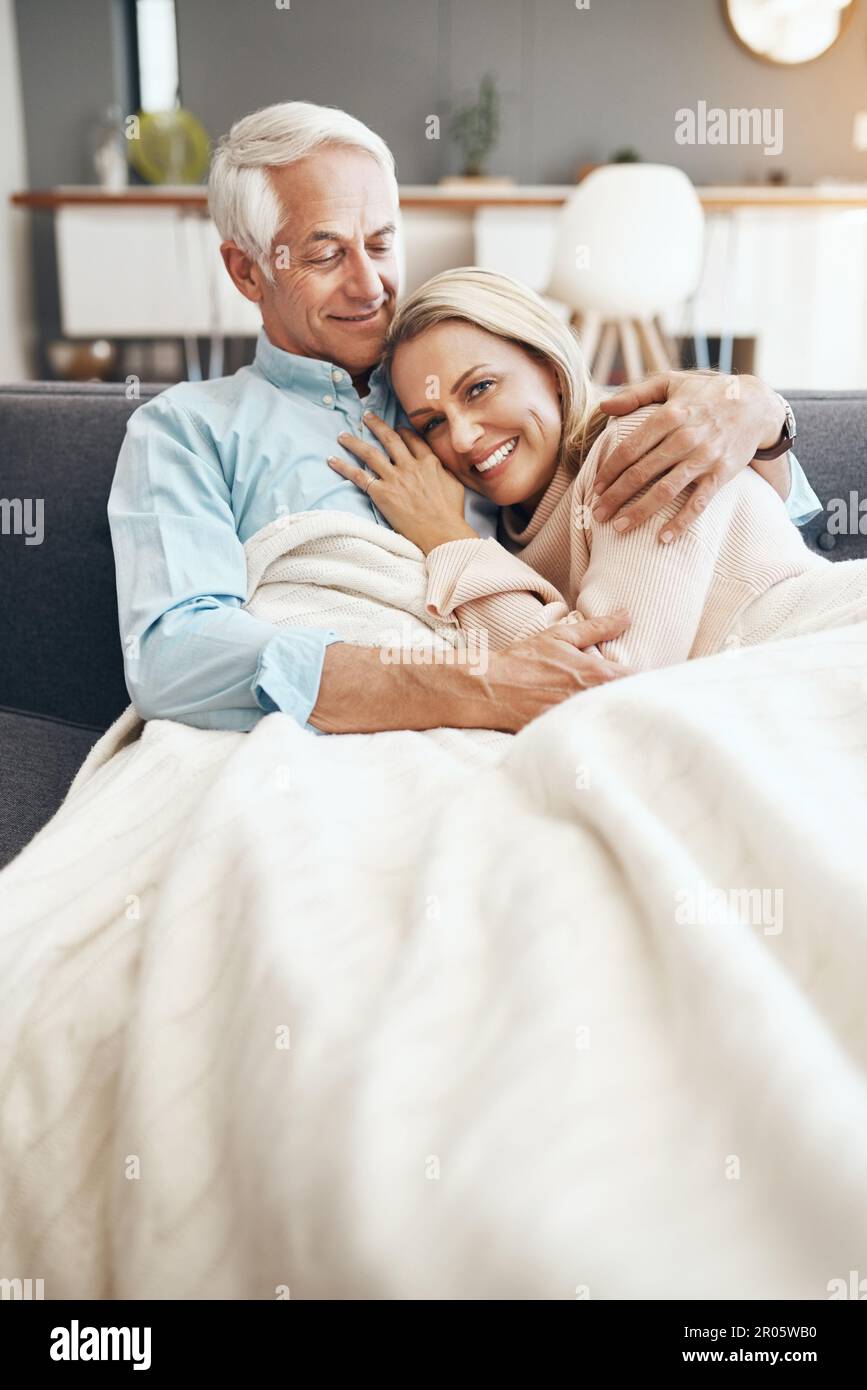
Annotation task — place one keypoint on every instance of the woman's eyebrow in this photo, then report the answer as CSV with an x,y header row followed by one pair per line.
x,y
426,410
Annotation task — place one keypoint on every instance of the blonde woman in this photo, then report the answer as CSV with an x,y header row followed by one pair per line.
x,y
499,397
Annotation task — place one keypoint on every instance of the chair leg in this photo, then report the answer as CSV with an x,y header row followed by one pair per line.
x,y
588,335
655,352
606,354
631,350
668,343
192,359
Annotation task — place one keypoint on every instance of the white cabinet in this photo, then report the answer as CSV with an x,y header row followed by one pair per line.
x,y
144,272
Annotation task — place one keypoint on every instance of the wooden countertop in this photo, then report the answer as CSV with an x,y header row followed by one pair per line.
x,y
714,198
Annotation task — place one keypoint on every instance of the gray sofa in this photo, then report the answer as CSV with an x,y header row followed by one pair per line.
x,y
61,678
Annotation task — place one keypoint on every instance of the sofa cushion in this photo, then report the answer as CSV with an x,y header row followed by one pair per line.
x,y
39,758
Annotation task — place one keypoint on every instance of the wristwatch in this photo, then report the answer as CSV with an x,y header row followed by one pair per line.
x,y
786,439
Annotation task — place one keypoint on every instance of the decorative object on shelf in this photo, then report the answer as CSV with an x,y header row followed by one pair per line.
x,y
82,361
108,150
169,146
476,129
795,32
477,181
625,155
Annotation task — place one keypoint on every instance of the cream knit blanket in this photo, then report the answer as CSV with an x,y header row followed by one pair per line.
x,y
580,1014
331,569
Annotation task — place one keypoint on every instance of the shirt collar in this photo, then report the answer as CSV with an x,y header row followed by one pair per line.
x,y
310,376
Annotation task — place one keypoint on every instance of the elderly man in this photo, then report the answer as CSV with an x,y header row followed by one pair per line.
x,y
306,202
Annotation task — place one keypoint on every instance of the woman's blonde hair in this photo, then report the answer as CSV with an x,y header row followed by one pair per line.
x,y
503,306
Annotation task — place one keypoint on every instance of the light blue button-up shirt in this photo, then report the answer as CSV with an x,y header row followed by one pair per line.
x,y
802,504
203,467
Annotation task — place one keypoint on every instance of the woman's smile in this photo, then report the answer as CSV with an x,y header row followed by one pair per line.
x,y
494,461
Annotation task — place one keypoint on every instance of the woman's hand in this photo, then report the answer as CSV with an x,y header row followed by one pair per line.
x,y
409,485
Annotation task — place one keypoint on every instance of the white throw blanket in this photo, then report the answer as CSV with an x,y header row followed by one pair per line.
x,y
331,569
578,1013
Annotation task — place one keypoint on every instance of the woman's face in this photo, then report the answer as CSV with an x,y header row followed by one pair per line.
x,y
487,408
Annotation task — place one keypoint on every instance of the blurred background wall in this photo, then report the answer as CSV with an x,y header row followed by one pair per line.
x,y
576,84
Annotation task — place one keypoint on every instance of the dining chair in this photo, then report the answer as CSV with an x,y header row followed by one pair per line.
x,y
629,247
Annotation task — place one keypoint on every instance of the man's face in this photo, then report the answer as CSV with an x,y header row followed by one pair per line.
x,y
335,270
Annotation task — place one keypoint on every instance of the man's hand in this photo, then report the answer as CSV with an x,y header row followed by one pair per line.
x,y
537,673
708,428
361,694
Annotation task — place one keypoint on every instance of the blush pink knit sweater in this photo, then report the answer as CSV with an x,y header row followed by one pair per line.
x,y
689,598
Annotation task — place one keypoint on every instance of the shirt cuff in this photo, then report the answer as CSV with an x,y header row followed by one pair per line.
x,y
289,672
802,504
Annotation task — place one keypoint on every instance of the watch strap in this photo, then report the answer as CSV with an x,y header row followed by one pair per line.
x,y
786,440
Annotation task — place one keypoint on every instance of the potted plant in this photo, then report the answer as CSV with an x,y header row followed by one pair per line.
x,y
626,155
476,129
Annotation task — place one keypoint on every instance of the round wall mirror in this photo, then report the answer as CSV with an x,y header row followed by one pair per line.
x,y
787,31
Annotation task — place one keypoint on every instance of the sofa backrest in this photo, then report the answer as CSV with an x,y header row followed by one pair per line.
x,y
60,652
832,449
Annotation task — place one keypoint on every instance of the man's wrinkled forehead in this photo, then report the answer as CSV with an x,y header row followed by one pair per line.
x,y
363,207
342,219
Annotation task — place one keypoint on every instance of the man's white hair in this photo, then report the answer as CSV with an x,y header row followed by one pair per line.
x,y
242,199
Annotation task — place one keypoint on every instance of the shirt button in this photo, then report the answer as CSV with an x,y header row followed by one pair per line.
x,y
328,399
336,376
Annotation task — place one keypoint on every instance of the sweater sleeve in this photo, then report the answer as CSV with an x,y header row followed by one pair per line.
x,y
486,589
664,587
